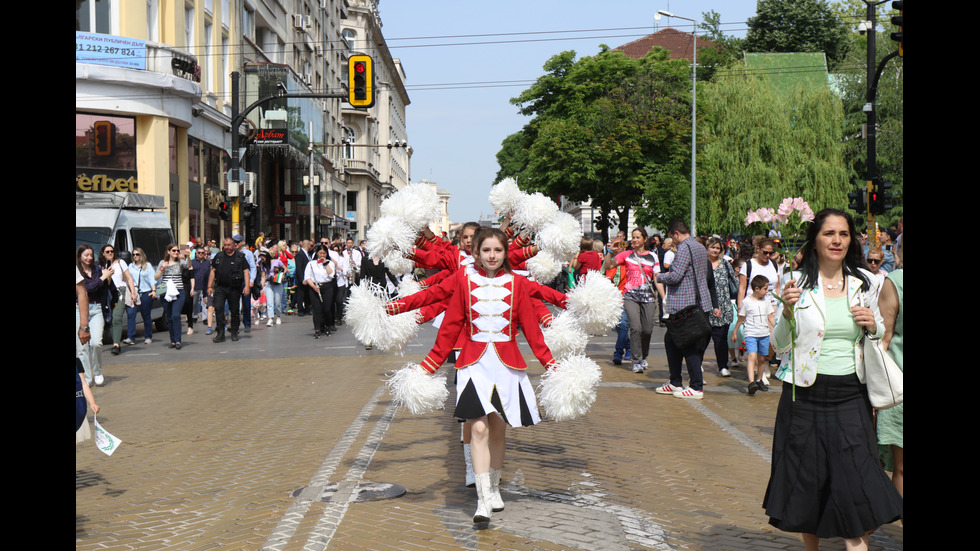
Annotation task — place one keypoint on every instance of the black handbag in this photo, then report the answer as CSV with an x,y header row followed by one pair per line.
x,y
689,326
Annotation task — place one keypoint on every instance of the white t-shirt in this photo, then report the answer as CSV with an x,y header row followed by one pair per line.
x,y
756,314
117,276
769,270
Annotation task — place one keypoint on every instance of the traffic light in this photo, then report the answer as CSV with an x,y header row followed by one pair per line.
x,y
360,81
105,136
248,209
224,209
856,200
881,199
898,21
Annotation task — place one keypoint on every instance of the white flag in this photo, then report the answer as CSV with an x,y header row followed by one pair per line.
x,y
105,441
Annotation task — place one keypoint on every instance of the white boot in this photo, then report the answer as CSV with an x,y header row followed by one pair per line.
x,y
496,502
470,477
483,489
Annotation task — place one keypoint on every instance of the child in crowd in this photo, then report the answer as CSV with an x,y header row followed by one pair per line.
x,y
757,316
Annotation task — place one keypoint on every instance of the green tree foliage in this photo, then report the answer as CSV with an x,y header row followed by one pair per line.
x,y
726,51
605,128
797,26
760,147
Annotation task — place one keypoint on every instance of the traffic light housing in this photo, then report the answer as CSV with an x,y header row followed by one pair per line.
x,y
898,21
105,137
856,200
224,209
360,81
880,200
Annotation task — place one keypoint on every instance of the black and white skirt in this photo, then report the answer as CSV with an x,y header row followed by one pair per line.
x,y
489,386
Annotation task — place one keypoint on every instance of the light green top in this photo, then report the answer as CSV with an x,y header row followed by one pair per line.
x,y
840,334
895,346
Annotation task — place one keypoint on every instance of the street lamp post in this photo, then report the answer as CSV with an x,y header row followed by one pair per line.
x,y
694,116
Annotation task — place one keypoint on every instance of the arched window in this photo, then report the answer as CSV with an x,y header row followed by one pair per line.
x,y
349,36
350,138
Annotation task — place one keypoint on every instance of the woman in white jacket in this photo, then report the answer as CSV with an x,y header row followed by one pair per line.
x,y
826,480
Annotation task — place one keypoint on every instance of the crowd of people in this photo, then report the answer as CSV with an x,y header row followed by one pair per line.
x,y
741,296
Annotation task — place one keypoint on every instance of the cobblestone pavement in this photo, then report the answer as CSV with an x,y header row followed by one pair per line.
x,y
307,452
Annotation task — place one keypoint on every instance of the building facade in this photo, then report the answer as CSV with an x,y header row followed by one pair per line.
x,y
153,103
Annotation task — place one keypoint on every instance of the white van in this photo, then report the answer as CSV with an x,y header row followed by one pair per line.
x,y
126,221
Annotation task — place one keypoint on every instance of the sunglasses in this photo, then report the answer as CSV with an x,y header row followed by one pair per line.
x,y
874,261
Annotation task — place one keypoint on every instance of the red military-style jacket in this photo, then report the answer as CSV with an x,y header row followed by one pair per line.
x,y
488,312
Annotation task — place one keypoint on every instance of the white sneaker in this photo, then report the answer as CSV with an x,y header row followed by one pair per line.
x,y
725,372
269,323
148,341
765,379
638,367
99,379
190,331
689,392
278,320
667,388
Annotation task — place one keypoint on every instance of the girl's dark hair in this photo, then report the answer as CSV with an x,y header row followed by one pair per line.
x,y
78,256
485,234
103,261
853,259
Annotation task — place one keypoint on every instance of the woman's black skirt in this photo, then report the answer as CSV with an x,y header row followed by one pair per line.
x,y
826,478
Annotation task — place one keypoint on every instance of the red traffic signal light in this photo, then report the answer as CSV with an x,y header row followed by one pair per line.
x,y
360,81
105,136
224,210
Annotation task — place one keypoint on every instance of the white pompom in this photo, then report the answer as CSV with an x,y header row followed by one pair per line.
x,y
398,264
543,267
408,286
569,391
596,303
565,337
534,211
415,389
562,237
416,204
388,235
370,323
505,196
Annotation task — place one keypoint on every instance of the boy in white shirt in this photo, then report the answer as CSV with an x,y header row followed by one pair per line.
x,y
759,319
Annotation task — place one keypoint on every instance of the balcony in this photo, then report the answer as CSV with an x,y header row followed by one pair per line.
x,y
356,166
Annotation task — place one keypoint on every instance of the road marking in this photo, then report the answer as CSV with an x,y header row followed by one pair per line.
x,y
286,527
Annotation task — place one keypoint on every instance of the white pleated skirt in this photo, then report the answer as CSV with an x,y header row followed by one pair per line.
x,y
489,386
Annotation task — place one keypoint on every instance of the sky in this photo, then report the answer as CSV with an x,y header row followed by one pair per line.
x,y
456,131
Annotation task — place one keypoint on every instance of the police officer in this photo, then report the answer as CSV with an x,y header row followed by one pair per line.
x,y
229,280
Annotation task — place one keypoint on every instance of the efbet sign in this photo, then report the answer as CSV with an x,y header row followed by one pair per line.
x,y
105,182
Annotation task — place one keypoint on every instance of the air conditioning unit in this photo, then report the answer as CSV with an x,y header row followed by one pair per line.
x,y
308,79
248,185
302,22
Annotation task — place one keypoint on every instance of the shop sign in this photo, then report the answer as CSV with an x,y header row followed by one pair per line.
x,y
105,182
270,136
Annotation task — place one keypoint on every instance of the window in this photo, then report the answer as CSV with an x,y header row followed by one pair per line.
x,y
152,20
350,138
208,58
93,16
189,28
117,144
248,24
349,36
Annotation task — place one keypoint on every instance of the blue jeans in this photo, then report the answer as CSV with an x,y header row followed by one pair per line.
x,y
273,299
246,307
171,310
145,308
623,338
91,352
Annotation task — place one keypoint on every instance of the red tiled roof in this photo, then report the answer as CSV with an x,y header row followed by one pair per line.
x,y
678,43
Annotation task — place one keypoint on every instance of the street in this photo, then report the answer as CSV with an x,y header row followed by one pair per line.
x,y
282,442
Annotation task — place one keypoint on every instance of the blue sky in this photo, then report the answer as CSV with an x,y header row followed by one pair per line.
x,y
456,132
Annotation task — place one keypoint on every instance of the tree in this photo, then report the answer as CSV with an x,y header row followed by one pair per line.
x,y
727,49
603,128
761,146
797,26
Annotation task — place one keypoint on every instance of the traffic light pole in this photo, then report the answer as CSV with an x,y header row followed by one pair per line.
x,y
874,74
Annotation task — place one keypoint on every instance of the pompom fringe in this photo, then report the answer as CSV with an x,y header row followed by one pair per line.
x,y
534,211
543,267
415,204
372,326
416,390
398,264
596,303
408,286
505,196
562,237
565,337
389,235
569,390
